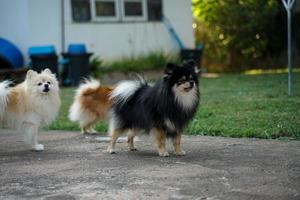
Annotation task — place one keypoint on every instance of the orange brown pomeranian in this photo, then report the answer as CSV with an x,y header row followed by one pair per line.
x,y
91,104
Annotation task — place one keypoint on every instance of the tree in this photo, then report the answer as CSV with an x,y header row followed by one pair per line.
x,y
235,33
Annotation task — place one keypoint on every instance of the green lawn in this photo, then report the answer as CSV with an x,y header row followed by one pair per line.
x,y
232,105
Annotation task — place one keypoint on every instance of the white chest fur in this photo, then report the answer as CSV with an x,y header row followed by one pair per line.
x,y
186,99
46,108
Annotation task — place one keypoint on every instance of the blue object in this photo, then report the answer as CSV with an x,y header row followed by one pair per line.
x,y
64,61
199,46
10,54
76,49
172,32
41,50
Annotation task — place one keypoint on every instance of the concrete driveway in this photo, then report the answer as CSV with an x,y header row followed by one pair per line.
x,y
74,166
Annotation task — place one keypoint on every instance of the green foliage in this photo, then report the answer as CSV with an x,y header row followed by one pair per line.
x,y
231,105
236,33
153,60
96,64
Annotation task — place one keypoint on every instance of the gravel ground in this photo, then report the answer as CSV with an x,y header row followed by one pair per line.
x,y
74,166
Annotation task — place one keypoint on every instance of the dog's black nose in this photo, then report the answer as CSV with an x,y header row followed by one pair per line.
x,y
46,88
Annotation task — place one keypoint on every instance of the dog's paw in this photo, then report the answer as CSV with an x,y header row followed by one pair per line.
x,y
180,153
132,149
163,154
92,131
110,150
38,147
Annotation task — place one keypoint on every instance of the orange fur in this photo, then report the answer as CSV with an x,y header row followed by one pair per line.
x,y
96,101
14,98
92,103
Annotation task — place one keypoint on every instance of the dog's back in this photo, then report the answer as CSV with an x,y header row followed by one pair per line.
x,y
13,103
132,106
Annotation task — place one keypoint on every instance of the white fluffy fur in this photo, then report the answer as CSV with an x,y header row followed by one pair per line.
x,y
4,91
76,112
170,124
113,122
27,107
125,89
186,99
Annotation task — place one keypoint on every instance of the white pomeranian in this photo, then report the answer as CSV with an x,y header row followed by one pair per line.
x,y
30,105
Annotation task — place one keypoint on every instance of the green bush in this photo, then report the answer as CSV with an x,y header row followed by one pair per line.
x,y
153,60
95,65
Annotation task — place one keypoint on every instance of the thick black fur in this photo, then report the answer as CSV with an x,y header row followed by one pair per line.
x,y
150,105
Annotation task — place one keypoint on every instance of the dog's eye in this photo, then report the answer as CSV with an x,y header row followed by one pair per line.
x,y
180,82
48,82
39,84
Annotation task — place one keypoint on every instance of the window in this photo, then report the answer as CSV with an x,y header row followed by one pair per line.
x,y
105,10
154,10
116,10
81,10
134,10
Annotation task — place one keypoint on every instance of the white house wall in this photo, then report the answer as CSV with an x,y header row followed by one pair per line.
x,y
118,40
38,22
29,23
45,23
115,40
180,14
14,23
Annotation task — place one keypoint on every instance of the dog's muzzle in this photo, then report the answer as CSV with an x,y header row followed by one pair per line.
x,y
46,88
190,86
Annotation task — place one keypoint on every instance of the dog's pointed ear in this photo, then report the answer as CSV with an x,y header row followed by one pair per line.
x,y
47,71
192,63
30,74
196,69
169,70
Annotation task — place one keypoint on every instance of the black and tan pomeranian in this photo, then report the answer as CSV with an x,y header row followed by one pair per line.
x,y
162,109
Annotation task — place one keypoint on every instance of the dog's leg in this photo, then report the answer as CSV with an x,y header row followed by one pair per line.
x,y
92,130
114,134
177,147
130,141
86,128
31,134
90,127
160,138
84,131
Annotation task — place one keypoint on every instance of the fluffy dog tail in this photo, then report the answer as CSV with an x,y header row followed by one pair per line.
x,y
4,92
76,111
126,89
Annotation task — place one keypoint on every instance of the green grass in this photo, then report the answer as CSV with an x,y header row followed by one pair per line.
x,y
232,106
